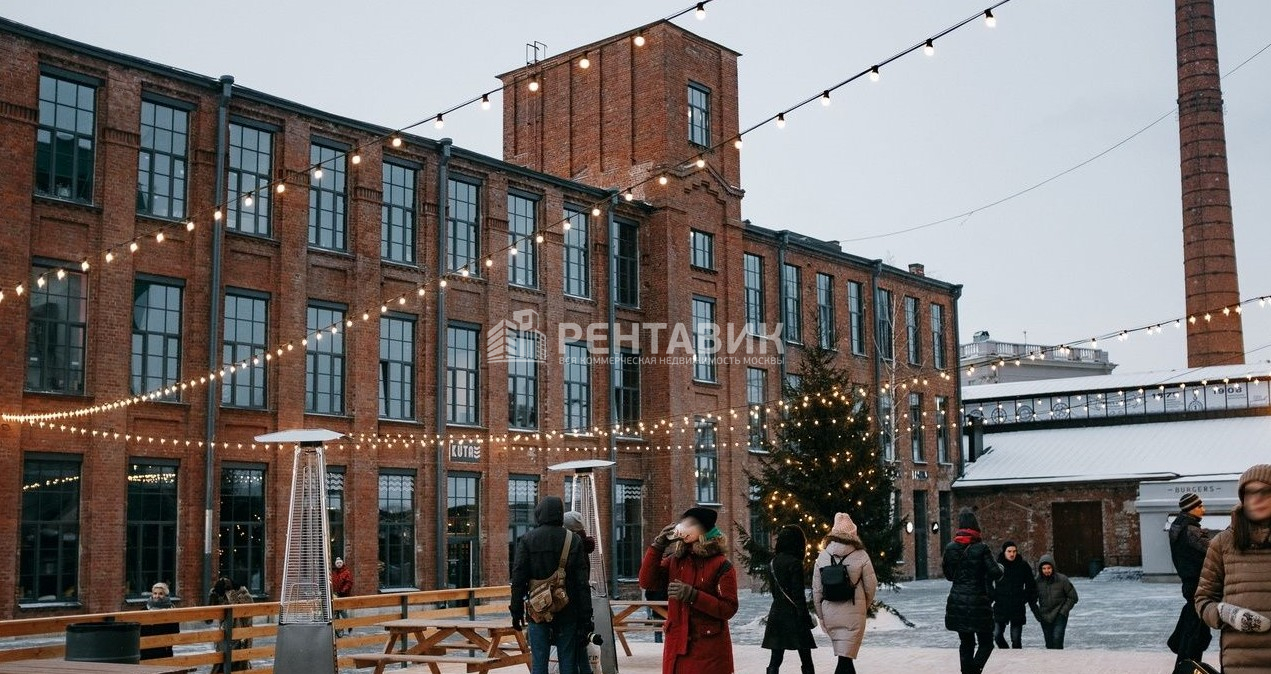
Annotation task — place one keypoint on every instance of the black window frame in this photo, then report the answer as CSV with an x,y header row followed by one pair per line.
x,y
752,281
152,546
249,179
171,347
942,430
627,264
792,303
398,212
628,549
886,418
325,346
705,368
913,330
576,375
939,358
917,440
470,227
41,516
577,277
468,540
54,339
79,180
522,227
523,379
702,249
396,527
706,462
627,396
328,222
885,325
699,114
397,367
149,175
252,380
471,373
827,332
856,316
336,502
251,526
523,493
756,415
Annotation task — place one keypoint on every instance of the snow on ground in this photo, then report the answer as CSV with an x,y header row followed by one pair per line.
x,y
1120,615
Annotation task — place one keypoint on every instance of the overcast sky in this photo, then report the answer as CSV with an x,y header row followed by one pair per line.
x,y
993,112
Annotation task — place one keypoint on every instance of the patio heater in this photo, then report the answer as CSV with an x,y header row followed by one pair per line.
x,y
583,500
306,638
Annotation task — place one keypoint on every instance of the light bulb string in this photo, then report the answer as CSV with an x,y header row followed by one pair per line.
x,y
134,244
965,215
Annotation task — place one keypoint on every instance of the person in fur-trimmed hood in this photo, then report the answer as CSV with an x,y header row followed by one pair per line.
x,y
1235,585
689,561
844,621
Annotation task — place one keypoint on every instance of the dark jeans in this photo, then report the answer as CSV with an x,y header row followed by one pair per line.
x,y
542,636
1054,631
1191,635
778,656
1017,632
973,659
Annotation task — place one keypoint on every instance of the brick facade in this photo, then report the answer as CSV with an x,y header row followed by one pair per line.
x,y
618,126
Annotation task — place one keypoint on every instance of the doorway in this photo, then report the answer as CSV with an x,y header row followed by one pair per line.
x,y
1077,530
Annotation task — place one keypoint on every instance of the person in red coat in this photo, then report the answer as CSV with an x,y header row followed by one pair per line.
x,y
341,586
689,561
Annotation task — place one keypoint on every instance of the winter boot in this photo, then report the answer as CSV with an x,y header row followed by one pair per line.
x,y
809,669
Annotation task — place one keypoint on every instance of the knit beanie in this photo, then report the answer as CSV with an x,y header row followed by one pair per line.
x,y
573,521
704,516
1258,473
843,527
1188,501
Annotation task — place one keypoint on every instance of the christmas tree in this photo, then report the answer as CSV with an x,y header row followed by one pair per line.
x,y
826,459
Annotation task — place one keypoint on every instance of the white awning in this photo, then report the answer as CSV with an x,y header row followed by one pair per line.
x,y
1153,451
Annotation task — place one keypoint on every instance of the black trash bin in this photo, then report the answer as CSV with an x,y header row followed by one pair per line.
x,y
106,641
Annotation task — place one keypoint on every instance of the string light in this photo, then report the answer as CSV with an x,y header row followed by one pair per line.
x,y
132,247
700,11
701,162
441,122
397,141
781,120
989,19
584,62
110,257
825,98
485,101
662,180
282,187
217,215
929,48
247,200
158,237
189,225
595,212
737,144
356,158
533,82
639,39
874,74
317,173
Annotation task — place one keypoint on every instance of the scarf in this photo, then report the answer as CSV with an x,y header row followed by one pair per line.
x,y
967,536
151,604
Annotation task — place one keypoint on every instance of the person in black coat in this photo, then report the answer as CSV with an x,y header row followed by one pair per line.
x,y
1188,544
969,564
538,555
789,626
1013,592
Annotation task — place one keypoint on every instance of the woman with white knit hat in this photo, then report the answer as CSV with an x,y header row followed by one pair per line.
x,y
843,606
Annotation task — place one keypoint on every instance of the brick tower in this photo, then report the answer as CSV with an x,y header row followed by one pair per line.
x,y
1209,245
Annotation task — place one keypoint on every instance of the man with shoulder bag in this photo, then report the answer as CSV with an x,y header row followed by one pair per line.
x,y
549,588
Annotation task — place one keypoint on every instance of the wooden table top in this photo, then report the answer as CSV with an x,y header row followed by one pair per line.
x,y
430,623
46,666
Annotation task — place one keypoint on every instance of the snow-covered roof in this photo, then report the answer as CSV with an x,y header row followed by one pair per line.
x,y
1122,452
1118,381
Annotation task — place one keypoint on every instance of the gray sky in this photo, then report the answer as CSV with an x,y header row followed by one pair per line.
x,y
994,111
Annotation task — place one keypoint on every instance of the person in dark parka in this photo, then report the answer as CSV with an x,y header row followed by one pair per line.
x,y
969,564
1055,598
1188,543
1016,589
789,626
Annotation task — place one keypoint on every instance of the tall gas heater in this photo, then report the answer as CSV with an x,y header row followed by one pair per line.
x,y
306,638
582,498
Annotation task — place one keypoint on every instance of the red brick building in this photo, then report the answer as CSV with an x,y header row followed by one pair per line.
x,y
174,489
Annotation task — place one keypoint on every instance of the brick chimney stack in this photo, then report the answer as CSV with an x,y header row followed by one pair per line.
x,y
1209,245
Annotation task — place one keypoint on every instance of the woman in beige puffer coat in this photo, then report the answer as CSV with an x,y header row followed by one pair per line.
x,y
1235,584
844,621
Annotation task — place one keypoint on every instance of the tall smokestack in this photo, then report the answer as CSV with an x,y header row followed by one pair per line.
x,y
1209,244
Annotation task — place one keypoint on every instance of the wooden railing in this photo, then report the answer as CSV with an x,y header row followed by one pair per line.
x,y
213,627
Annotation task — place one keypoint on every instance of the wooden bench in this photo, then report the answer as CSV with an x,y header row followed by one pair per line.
x,y
380,660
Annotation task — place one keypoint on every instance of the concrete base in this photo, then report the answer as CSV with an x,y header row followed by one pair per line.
x,y
305,649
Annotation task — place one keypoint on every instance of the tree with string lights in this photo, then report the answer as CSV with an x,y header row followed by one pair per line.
x,y
825,460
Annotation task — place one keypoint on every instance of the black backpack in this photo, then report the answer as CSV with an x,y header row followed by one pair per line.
x,y
836,583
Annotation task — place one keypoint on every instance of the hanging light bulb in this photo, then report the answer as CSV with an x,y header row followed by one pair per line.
x,y
39,281
317,173
19,290
489,262
158,237
217,215
132,247
989,19
397,141
628,195
781,120
662,180
874,75
189,225
929,49
534,83
538,238
83,265
247,200
110,257
737,143
584,62
356,158
700,12
639,39
701,162
825,98
441,122
61,274
421,291
280,188
485,101
595,212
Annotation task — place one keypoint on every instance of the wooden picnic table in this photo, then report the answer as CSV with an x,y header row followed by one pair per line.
x,y
628,617
47,666
500,645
